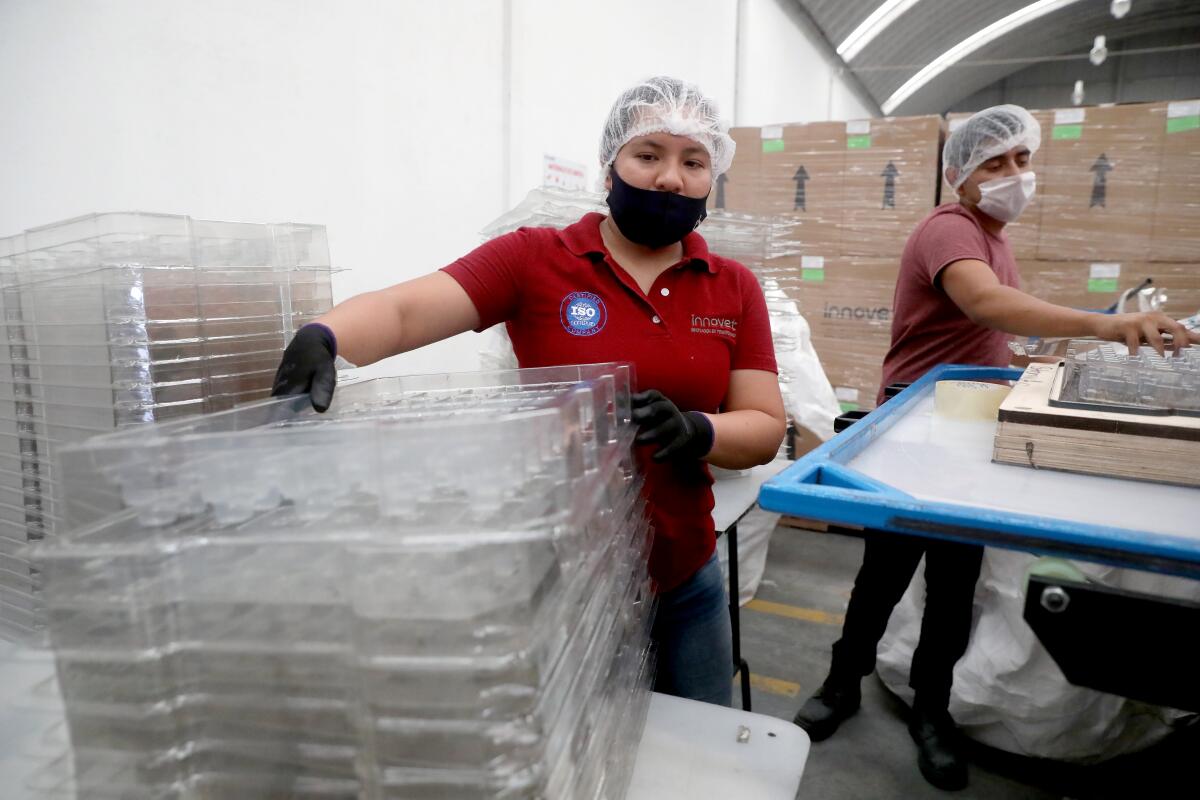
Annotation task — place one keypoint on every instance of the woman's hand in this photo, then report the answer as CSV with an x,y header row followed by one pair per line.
x,y
678,434
307,366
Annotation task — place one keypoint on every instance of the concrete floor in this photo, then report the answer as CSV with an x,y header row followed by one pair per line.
x,y
786,637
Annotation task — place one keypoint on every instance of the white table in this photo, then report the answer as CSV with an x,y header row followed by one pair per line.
x,y
734,498
691,751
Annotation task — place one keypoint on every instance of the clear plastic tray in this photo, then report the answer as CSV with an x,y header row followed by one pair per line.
x,y
1103,378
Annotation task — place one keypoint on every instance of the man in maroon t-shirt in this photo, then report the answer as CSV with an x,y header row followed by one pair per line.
x,y
957,301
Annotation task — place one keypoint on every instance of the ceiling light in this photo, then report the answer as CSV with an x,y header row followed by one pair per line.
x,y
1120,8
1099,52
969,45
872,26
1077,93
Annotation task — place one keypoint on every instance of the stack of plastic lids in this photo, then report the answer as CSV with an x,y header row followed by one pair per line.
x,y
436,589
118,319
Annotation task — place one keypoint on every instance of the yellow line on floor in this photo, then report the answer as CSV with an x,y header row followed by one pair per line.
x,y
794,612
774,685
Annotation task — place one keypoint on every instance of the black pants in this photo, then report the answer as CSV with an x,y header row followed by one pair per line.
x,y
889,562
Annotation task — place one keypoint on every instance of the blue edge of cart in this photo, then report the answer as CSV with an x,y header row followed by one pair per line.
x,y
821,487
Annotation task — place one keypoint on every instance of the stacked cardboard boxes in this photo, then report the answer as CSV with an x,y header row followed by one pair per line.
x,y
855,191
1175,237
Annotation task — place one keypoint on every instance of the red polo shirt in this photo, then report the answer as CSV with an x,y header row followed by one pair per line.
x,y
566,301
927,327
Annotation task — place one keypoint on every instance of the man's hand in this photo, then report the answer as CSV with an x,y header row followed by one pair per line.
x,y
678,434
307,366
1148,326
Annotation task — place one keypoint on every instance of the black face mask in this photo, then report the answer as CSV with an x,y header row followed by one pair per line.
x,y
653,219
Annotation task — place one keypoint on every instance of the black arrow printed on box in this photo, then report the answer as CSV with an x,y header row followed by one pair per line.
x,y
1100,169
801,177
720,201
889,185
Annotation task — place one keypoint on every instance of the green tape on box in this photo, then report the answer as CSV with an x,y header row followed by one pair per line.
x,y
861,142
1102,285
1178,124
1068,132
772,145
847,406
815,275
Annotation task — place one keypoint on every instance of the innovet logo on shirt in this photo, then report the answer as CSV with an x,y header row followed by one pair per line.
x,y
582,314
714,325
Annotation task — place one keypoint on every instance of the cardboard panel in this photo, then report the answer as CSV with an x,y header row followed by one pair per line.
x,y
1176,231
1098,184
850,314
891,181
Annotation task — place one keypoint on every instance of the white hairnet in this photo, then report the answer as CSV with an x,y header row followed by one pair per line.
x,y
666,105
986,135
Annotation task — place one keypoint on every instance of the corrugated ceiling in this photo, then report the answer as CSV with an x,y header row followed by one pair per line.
x,y
931,27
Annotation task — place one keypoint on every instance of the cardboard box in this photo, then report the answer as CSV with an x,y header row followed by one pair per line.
x,y
1097,285
803,170
1022,234
1098,182
1176,231
737,189
891,181
804,441
850,314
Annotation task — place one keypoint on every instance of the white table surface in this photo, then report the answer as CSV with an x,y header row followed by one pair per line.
x,y
950,461
690,751
734,497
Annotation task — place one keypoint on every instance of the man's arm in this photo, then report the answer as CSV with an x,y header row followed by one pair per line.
x,y
977,292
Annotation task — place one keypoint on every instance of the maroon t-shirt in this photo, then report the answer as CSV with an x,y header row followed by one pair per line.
x,y
566,301
927,327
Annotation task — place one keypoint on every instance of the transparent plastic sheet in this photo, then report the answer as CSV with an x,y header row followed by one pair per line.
x,y
452,640
120,319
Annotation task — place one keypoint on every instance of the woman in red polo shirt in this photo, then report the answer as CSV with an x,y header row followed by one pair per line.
x,y
638,285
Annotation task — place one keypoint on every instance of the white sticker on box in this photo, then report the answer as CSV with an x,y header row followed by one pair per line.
x,y
772,132
846,394
858,127
1068,116
1185,108
812,262
1104,271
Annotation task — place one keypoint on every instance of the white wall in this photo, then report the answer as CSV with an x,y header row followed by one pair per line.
x,y
784,75
403,126
363,116
572,59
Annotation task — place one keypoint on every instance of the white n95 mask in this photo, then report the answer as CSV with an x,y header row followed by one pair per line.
x,y
1005,198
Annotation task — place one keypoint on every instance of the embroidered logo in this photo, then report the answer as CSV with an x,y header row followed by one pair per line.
x,y
582,314
719,326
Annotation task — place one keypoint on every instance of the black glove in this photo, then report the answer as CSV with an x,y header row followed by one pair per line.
x,y
307,366
678,434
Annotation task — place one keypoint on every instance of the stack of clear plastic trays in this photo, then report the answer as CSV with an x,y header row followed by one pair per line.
x,y
118,319
436,589
1144,381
